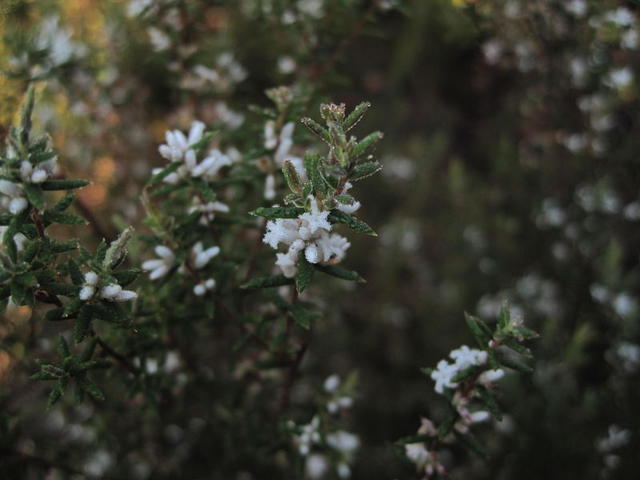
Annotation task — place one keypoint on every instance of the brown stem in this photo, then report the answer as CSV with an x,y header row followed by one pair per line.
x,y
115,355
292,376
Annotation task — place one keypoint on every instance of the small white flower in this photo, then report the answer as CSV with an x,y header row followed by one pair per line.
x,y
344,442
17,205
491,376
86,292
159,267
316,466
91,278
201,288
110,291
201,256
270,187
332,383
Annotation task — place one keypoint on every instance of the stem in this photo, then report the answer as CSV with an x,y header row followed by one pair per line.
x,y
115,355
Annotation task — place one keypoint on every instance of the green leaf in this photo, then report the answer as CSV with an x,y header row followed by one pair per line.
x,y
489,401
355,116
340,272
317,129
55,394
91,388
481,332
125,277
74,272
82,324
302,316
304,274
367,142
267,281
364,170
57,246
34,195
64,184
117,250
54,314
62,347
60,289
337,216
64,218
278,212
39,157
64,203
291,177
312,167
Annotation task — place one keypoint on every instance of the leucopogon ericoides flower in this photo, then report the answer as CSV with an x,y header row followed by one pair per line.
x,y
309,233
13,200
201,255
159,267
208,210
111,291
464,357
178,148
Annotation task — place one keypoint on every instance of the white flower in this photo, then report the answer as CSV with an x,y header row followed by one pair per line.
x,y
286,65
465,357
208,210
270,187
201,256
211,165
316,219
159,267
17,202
490,376
178,144
88,290
443,375
332,383
316,466
10,189
619,78
114,292
308,436
202,288
617,437
344,471
17,205
344,442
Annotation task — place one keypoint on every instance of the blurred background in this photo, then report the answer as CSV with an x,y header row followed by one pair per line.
x,y
510,174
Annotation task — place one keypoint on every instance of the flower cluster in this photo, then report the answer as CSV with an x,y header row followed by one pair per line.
x,y
468,383
182,149
309,235
199,258
110,291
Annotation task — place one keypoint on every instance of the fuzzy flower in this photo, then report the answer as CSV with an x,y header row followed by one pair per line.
x,y
204,286
201,256
426,461
159,267
114,292
17,202
308,436
88,289
177,143
38,173
208,210
310,232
